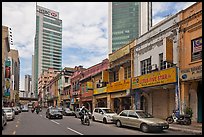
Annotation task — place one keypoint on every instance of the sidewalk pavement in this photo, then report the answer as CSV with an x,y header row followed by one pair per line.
x,y
195,128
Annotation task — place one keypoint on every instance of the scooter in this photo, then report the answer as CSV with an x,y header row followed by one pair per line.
x,y
180,119
85,120
32,110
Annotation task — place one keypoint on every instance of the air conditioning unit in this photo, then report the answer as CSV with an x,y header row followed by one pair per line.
x,y
154,67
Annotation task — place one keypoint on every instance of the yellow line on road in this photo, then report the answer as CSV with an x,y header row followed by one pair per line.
x,y
14,132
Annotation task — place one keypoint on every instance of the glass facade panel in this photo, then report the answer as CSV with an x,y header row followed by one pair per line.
x,y
125,23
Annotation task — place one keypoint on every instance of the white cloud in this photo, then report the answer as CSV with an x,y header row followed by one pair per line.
x,y
84,25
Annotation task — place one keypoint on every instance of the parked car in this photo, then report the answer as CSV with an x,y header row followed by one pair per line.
x,y
103,114
25,109
68,112
10,114
4,120
60,109
53,113
16,110
140,119
77,111
19,109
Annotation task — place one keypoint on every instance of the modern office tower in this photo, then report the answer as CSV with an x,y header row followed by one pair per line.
x,y
48,43
28,85
127,21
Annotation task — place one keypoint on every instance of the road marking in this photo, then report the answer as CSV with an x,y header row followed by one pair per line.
x,y
55,122
75,131
14,132
16,125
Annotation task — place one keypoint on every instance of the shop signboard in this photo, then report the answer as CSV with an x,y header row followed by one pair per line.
x,y
169,50
155,78
119,53
191,73
100,90
105,76
89,85
47,12
119,85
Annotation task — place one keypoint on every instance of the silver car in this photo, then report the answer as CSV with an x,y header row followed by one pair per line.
x,y
4,120
10,114
140,119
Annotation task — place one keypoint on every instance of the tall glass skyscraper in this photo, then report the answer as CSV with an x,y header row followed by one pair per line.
x,y
127,21
48,43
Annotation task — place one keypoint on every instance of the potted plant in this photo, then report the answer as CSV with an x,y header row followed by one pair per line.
x,y
189,111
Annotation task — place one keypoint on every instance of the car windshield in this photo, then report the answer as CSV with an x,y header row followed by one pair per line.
x,y
54,110
7,110
67,109
108,111
144,115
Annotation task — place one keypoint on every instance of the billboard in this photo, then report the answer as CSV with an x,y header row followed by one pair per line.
x,y
7,78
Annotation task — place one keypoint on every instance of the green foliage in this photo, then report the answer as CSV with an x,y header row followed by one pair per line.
x,y
189,111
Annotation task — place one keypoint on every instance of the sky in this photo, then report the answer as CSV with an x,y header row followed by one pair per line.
x,y
84,30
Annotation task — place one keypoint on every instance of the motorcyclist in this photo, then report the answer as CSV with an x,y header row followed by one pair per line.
x,y
82,112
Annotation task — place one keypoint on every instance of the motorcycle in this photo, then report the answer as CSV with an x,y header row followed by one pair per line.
x,y
32,110
180,119
85,120
37,110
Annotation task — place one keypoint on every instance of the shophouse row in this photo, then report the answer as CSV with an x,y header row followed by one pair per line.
x,y
159,72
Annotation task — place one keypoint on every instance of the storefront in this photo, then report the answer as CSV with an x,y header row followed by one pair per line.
x,y
120,97
100,97
157,92
87,102
191,91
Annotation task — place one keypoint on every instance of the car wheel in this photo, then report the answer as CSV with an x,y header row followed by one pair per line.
x,y
104,121
75,116
93,118
118,123
144,128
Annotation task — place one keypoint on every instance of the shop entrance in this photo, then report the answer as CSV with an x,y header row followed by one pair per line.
x,y
143,103
126,103
116,105
199,94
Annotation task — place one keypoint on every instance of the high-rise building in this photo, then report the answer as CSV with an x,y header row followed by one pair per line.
x,y
5,50
13,58
28,85
48,43
127,21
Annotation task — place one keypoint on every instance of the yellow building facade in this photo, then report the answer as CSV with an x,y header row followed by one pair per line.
x,y
190,60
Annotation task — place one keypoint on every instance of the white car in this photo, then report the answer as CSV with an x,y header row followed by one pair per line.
x,y
10,114
103,114
4,120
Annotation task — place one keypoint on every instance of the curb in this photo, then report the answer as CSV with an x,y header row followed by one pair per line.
x,y
196,132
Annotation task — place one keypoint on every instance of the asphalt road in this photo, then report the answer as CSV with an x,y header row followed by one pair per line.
x,y
27,123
